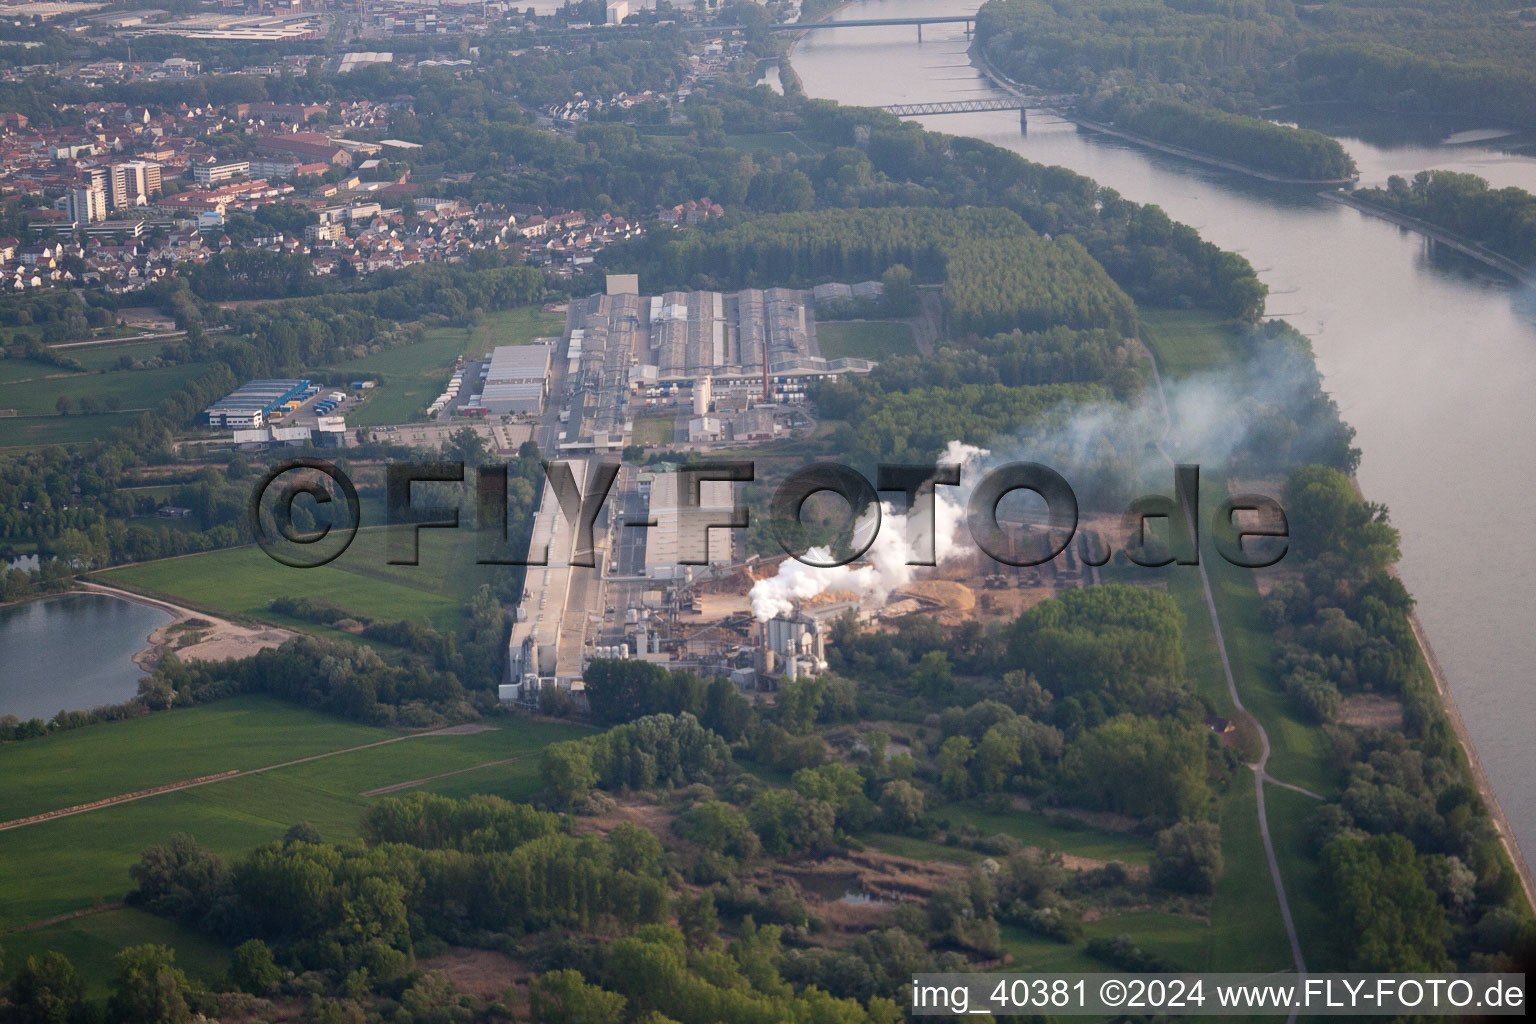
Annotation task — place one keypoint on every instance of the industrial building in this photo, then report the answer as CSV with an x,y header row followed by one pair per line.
x,y
549,633
517,380
249,406
675,547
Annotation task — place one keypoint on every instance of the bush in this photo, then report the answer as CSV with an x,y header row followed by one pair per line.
x,y
1188,857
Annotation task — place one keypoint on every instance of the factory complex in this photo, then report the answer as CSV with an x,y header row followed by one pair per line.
x,y
666,580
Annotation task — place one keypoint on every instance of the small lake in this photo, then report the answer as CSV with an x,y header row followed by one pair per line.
x,y
71,653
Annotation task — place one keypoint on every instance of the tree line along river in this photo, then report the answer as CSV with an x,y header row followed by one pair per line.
x,y
1431,356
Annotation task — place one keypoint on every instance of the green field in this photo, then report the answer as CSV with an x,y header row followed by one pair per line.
x,y
12,369
412,376
92,941
654,430
134,389
864,339
75,767
1038,830
1186,340
243,581
66,864
773,143
31,431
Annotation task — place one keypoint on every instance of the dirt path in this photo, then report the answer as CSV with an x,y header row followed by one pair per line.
x,y
61,918
397,787
208,780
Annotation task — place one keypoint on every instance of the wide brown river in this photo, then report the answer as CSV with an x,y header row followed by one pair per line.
x,y
1431,357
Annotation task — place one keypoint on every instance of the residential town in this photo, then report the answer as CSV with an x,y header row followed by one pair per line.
x,y
128,195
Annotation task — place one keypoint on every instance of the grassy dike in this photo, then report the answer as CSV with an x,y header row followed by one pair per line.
x,y
1246,927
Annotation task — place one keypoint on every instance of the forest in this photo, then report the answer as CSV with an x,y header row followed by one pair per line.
x,y
1503,220
1250,141
998,275
1422,56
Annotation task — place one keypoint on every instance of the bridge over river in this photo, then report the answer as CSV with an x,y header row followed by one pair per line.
x,y
962,107
940,19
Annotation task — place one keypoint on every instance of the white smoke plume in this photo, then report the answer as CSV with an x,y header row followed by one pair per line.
x,y
883,568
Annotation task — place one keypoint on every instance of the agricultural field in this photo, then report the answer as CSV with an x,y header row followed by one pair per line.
x,y
30,393
105,357
131,389
410,377
242,582
72,863
864,339
32,431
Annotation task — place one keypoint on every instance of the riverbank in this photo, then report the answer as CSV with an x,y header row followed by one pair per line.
x,y
1465,246
194,635
1002,81
1474,763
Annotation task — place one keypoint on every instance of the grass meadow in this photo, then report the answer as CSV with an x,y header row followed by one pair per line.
x,y
864,339
64,865
242,582
1246,910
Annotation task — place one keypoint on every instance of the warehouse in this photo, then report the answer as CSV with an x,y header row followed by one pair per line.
x,y
248,406
516,381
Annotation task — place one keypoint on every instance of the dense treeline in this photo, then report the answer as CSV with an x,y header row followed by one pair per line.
x,y
900,165
484,868
1503,220
918,423
1411,859
1429,55
1393,78
998,275
340,678
1007,386
623,691
653,751
1251,141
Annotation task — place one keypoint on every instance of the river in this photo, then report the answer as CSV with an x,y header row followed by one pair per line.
x,y
47,668
1431,357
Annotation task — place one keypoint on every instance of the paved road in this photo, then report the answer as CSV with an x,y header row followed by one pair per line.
x,y
1260,775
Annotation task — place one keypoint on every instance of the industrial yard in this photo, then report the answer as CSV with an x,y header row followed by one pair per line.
x,y
659,584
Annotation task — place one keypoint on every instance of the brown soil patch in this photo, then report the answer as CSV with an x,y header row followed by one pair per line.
x,y
654,819
225,641
953,596
1369,710
1105,820
479,972
467,729
196,636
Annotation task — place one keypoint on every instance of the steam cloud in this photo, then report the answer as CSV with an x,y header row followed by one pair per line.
x,y
1266,412
885,567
